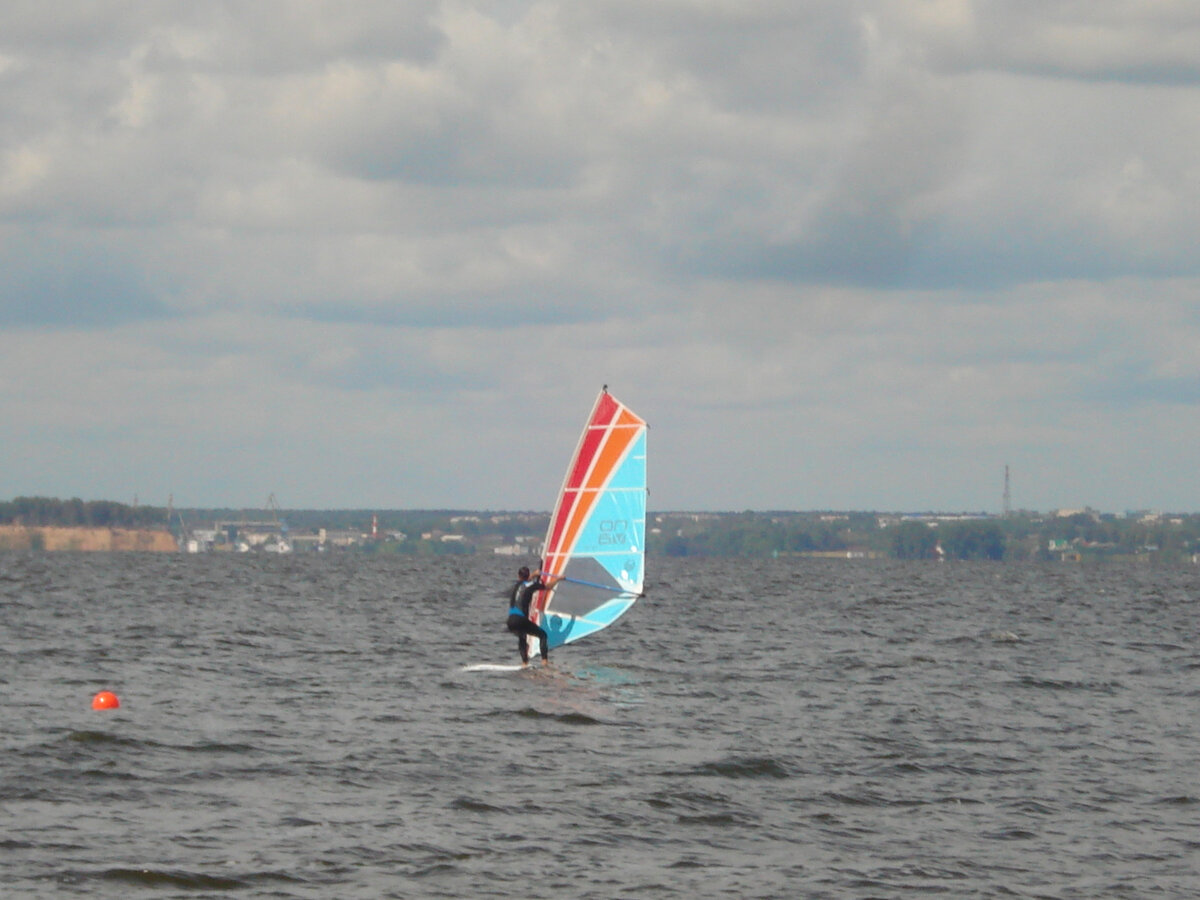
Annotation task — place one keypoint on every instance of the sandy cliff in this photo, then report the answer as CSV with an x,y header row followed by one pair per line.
x,y
20,537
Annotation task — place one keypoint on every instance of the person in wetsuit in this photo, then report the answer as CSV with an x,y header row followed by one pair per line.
x,y
519,624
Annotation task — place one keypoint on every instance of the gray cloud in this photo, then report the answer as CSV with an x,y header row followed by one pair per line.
x,y
54,280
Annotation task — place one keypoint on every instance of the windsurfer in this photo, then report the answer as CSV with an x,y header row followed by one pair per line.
x,y
519,622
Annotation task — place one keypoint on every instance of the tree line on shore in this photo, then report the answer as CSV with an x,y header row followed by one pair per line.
x,y
1021,536
44,512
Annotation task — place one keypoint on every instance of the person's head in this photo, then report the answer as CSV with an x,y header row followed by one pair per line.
x,y
523,573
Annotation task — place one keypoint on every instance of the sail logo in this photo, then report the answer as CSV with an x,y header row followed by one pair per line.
x,y
613,532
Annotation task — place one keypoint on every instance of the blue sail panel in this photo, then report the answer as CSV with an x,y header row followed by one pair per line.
x,y
562,629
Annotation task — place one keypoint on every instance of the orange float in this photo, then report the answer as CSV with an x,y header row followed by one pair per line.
x,y
105,700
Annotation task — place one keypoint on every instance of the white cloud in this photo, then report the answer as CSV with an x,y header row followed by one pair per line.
x,y
880,249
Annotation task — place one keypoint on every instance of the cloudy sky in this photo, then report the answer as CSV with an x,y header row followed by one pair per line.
x,y
840,255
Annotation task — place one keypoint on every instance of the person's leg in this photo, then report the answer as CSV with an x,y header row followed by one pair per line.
x,y
542,640
523,646
516,624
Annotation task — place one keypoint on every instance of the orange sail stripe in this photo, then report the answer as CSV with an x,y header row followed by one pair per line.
x,y
628,418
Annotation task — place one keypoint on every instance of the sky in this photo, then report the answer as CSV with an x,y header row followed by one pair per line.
x,y
843,255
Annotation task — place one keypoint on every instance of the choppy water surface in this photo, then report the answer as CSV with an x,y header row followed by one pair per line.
x,y
300,727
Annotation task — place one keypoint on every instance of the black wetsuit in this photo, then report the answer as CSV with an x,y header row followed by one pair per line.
x,y
518,617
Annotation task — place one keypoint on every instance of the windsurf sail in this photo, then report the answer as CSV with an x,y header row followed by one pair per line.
x,y
597,535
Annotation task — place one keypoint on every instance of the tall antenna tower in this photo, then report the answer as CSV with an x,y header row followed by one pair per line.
x,y
1007,494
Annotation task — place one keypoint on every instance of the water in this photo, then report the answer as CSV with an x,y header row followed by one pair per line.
x,y
299,727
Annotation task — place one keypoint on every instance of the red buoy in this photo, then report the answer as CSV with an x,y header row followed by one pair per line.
x,y
105,700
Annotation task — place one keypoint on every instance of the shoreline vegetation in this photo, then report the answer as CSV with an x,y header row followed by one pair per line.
x,y
47,524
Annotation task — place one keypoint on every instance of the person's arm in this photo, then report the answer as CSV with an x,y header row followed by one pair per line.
x,y
548,581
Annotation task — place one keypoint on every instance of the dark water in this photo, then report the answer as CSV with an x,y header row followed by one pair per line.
x,y
300,727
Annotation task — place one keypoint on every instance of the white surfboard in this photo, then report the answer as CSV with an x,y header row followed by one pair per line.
x,y
494,667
